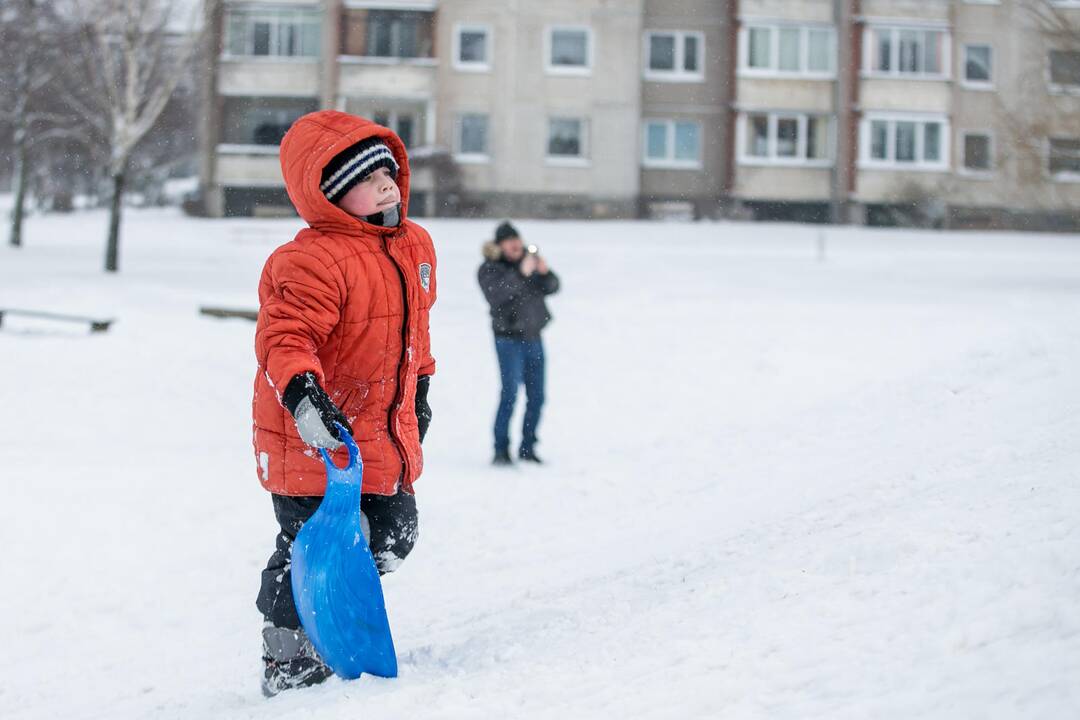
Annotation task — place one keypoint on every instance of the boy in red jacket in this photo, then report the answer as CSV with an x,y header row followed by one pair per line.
x,y
342,337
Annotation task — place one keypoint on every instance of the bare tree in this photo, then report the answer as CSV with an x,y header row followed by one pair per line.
x,y
129,61
29,29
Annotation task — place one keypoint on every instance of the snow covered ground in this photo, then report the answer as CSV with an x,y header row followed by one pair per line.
x,y
777,487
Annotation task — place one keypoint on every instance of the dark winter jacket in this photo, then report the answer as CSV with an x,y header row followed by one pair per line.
x,y
517,302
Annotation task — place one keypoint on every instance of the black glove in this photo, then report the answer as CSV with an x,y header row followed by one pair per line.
x,y
423,410
314,412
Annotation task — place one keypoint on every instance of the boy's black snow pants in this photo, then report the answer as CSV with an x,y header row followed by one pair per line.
x,y
391,525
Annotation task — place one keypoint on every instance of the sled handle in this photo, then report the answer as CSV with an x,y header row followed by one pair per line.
x,y
350,445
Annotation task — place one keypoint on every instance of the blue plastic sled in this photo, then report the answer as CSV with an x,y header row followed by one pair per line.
x,y
334,580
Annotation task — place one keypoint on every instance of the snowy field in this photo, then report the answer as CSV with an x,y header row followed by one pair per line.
x,y
777,487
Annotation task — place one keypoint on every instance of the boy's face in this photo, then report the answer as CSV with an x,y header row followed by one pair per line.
x,y
373,194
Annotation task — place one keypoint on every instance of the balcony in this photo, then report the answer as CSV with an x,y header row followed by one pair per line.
x,y
387,52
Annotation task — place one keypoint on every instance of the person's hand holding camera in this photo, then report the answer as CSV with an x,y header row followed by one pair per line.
x,y
528,265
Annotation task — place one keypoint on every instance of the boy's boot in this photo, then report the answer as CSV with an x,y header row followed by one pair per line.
x,y
290,661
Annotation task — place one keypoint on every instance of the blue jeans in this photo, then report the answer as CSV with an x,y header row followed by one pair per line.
x,y
520,361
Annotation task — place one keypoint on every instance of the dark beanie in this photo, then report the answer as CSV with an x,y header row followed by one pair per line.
x,y
505,232
350,167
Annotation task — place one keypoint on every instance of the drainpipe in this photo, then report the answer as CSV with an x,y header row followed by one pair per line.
x,y
333,12
729,98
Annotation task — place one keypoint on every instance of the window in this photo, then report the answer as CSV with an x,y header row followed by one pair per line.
x,y
472,138
672,144
569,50
906,52
406,124
978,152
808,51
978,66
1065,69
261,120
674,56
472,47
904,142
282,32
388,33
785,139
566,139
1065,158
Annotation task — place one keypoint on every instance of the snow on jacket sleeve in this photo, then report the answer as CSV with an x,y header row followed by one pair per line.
x,y
300,303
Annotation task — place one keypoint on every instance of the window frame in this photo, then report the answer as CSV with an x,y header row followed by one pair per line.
x,y
1056,88
976,84
580,160
471,158
680,74
489,46
670,162
866,162
569,70
868,69
963,168
772,159
774,71
275,17
1059,177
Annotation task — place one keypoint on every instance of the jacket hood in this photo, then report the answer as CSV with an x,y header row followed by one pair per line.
x,y
490,250
308,147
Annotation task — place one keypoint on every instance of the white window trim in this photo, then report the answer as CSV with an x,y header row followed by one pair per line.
x,y
249,40
582,160
470,158
773,71
868,71
742,129
679,74
247,149
489,43
1061,177
983,85
974,173
669,163
590,51
868,163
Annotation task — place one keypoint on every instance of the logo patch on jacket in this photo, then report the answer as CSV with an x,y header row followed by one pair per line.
x,y
425,276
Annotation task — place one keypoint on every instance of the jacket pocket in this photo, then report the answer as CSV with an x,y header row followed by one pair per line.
x,y
349,395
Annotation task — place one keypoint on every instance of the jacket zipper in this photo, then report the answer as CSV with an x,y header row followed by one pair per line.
x,y
391,421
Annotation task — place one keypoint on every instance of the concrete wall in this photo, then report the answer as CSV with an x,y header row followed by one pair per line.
x,y
519,96
705,102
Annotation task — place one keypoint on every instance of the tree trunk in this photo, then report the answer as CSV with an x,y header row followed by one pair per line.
x,y
112,250
18,212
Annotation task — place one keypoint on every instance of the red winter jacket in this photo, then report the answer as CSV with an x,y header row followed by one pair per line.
x,y
349,301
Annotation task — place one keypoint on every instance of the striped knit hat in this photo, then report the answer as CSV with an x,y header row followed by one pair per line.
x,y
351,166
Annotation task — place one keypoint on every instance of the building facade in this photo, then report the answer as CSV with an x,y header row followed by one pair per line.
x,y
946,112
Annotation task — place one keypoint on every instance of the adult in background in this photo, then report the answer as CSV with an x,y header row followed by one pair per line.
x,y
515,281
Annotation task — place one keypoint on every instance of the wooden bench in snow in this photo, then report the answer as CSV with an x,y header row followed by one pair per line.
x,y
252,315
96,324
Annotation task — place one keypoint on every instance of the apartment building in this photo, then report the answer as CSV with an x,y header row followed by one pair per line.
x,y
955,112
959,112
